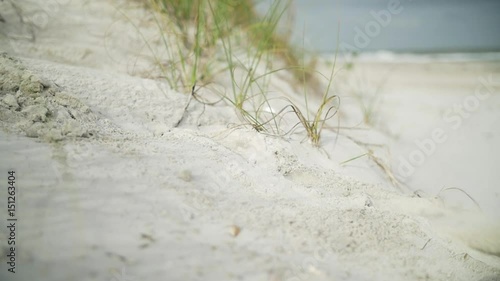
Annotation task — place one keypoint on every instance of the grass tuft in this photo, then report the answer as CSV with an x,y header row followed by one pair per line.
x,y
211,40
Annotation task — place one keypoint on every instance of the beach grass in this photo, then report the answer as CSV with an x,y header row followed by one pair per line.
x,y
205,39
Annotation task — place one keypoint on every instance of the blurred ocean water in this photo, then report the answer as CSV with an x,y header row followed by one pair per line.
x,y
409,26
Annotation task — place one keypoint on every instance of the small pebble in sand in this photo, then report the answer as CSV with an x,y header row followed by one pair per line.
x,y
185,175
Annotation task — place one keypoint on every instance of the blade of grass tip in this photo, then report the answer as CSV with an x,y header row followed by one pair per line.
x,y
463,191
317,124
200,18
304,70
330,81
246,84
277,70
352,159
166,44
227,49
267,26
334,63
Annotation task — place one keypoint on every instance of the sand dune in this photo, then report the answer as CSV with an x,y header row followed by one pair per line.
x,y
110,188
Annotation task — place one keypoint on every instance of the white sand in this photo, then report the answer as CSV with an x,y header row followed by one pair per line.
x,y
110,189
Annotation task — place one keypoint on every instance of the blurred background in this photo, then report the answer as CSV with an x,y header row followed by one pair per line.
x,y
417,60
418,26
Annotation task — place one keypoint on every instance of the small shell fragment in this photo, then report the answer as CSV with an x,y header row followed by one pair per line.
x,y
234,230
